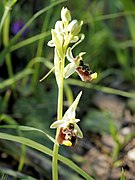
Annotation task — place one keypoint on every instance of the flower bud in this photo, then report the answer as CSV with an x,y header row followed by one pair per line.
x,y
59,26
65,15
74,27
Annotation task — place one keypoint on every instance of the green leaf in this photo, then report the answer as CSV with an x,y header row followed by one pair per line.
x,y
8,119
16,77
14,174
45,150
27,128
30,40
104,89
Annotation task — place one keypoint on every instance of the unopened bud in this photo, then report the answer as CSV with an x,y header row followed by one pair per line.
x,y
59,26
74,27
65,15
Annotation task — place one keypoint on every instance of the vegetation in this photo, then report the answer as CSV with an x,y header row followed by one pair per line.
x,y
28,107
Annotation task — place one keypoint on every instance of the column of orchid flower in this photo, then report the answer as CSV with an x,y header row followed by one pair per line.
x,y
66,31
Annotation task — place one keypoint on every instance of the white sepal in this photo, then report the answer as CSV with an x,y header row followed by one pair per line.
x,y
69,70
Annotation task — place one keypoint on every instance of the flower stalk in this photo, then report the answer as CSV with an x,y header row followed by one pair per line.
x,y
59,116
66,31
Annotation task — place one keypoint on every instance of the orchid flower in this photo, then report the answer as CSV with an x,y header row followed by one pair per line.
x,y
74,62
77,64
68,128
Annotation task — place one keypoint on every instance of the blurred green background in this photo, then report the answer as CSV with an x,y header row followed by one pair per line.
x,y
107,107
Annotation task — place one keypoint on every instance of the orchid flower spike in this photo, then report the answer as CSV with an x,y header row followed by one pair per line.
x,y
66,31
69,131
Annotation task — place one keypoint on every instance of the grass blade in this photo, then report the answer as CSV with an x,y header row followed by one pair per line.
x,y
101,88
45,150
30,40
14,174
28,128
16,77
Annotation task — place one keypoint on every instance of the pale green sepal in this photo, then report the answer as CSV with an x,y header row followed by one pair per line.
x,y
69,70
80,134
71,110
57,39
58,124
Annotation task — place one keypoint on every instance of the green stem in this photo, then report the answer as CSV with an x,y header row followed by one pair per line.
x,y
59,116
55,161
7,8
4,17
5,42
